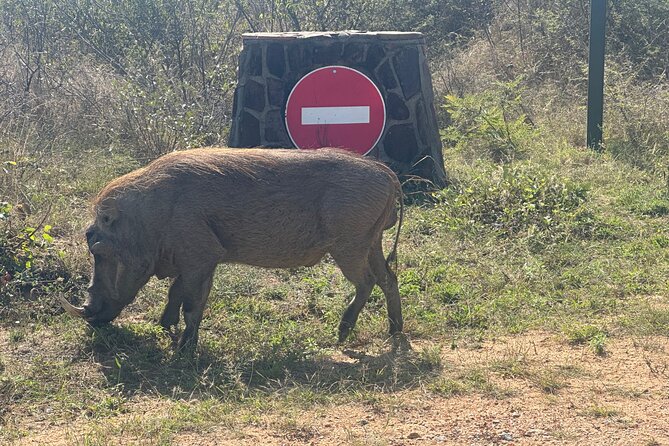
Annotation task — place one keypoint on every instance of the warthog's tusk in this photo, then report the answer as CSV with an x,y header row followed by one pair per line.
x,y
71,309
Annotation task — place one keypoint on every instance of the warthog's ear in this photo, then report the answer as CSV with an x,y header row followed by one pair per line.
x,y
107,212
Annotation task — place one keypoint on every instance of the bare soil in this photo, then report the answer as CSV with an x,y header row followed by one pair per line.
x,y
539,390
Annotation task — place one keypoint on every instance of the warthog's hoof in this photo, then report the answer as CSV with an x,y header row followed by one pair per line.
x,y
98,323
400,342
186,347
344,330
169,320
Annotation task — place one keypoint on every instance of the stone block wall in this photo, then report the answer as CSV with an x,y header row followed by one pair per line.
x,y
270,65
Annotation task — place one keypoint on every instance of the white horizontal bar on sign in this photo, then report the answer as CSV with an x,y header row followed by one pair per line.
x,y
335,115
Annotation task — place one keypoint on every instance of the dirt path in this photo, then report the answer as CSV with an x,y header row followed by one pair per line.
x,y
619,399
524,390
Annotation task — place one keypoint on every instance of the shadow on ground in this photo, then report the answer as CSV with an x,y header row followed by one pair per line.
x,y
146,362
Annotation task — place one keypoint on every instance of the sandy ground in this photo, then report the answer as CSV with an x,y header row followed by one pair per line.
x,y
621,398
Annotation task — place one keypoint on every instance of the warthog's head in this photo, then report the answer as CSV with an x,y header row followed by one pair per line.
x,y
120,268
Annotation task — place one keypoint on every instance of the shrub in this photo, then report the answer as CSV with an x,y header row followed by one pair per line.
x,y
27,254
491,124
517,201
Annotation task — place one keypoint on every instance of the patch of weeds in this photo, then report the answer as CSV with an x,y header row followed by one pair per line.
x,y
515,308
275,293
514,367
465,315
448,387
135,336
647,320
514,200
238,280
582,334
598,344
29,260
644,201
478,380
317,284
656,208
586,225
600,411
160,428
548,381
429,357
108,405
305,397
16,335
7,390
447,293
411,283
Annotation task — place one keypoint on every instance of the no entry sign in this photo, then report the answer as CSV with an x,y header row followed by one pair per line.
x,y
335,106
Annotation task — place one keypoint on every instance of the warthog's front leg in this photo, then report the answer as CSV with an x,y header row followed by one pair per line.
x,y
170,317
191,289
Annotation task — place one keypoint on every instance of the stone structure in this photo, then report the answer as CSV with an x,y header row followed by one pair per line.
x,y
270,65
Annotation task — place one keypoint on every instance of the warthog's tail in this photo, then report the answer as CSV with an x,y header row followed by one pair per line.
x,y
392,256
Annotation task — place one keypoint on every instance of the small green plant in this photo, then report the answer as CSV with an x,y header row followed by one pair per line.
x,y
21,243
581,334
448,387
548,381
598,344
16,335
587,334
467,315
600,411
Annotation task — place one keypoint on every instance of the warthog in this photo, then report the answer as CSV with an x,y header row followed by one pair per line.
x,y
188,211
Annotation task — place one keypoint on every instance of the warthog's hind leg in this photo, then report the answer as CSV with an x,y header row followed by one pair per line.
x,y
387,280
354,264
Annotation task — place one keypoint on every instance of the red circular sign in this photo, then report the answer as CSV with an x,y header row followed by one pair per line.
x,y
335,106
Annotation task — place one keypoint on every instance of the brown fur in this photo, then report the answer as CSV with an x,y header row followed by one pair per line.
x,y
188,211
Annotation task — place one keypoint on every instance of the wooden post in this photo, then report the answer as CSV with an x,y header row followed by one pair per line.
x,y
596,74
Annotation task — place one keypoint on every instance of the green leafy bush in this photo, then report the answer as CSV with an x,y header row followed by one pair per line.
x,y
21,248
28,257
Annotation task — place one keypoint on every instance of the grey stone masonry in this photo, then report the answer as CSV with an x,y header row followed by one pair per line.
x,y
270,65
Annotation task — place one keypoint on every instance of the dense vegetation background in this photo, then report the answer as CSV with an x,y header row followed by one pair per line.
x,y
534,231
